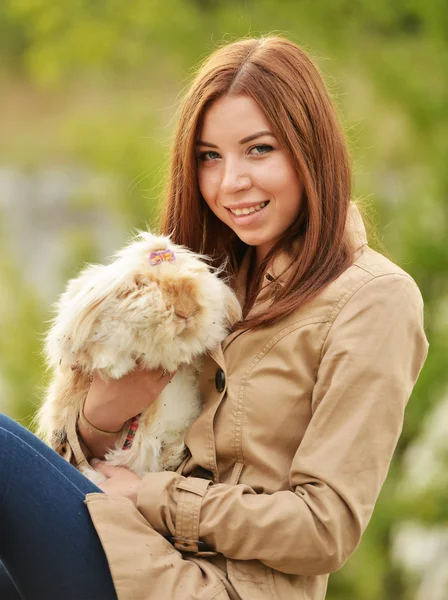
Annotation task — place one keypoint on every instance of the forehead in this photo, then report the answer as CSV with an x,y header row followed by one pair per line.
x,y
232,117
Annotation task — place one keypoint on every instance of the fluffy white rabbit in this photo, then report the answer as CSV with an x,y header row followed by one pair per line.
x,y
156,304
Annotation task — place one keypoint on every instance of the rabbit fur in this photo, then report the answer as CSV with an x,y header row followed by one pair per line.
x,y
137,311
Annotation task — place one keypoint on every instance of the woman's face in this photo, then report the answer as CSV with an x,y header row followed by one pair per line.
x,y
245,176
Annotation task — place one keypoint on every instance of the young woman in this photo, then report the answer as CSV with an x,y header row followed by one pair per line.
x,y
303,401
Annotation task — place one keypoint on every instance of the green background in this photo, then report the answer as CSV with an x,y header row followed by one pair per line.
x,y
93,87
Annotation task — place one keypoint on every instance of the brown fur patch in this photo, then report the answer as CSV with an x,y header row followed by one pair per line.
x,y
140,282
182,295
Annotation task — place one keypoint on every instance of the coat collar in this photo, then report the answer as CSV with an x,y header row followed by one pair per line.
x,y
277,273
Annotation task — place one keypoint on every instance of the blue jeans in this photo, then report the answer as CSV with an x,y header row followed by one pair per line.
x,y
49,548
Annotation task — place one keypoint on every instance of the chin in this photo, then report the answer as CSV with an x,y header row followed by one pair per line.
x,y
256,240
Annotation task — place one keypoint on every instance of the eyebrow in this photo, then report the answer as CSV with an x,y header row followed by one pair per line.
x,y
243,141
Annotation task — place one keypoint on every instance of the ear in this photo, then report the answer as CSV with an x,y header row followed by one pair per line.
x,y
78,310
233,308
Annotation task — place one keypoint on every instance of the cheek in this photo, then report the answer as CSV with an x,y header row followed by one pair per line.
x,y
283,182
208,185
273,175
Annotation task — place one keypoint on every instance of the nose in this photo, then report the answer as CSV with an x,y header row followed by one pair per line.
x,y
235,178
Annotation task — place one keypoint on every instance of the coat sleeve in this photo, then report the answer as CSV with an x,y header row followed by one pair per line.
x,y
370,360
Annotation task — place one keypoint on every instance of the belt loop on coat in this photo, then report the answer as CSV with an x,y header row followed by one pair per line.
x,y
236,473
192,491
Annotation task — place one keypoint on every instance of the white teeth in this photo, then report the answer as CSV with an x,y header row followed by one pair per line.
x,y
247,211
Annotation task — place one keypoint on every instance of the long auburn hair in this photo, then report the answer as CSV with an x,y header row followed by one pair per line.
x,y
287,86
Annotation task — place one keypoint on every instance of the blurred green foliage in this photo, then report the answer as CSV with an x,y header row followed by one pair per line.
x,y
97,84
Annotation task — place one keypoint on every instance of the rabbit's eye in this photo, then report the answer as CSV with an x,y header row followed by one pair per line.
x,y
140,282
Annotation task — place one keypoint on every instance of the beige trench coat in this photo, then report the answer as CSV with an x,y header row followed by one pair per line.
x,y
288,457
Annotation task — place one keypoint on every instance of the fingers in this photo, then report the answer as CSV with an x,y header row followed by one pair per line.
x,y
164,373
160,375
104,467
154,373
123,482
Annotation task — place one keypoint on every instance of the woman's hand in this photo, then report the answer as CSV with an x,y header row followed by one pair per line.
x,y
110,404
120,480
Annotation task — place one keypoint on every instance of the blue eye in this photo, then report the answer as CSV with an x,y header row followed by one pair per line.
x,y
261,149
205,156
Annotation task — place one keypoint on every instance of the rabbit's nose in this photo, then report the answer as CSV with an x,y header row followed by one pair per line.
x,y
187,319
182,315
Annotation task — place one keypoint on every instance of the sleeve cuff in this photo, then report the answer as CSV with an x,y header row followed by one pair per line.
x,y
191,493
157,500
172,503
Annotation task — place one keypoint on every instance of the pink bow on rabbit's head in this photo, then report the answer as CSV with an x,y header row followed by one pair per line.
x,y
159,256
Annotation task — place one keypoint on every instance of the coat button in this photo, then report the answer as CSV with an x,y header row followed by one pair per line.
x,y
220,380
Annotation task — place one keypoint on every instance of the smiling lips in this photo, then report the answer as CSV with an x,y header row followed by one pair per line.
x,y
239,212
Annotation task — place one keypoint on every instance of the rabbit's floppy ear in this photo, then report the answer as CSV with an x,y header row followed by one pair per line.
x,y
78,310
233,308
